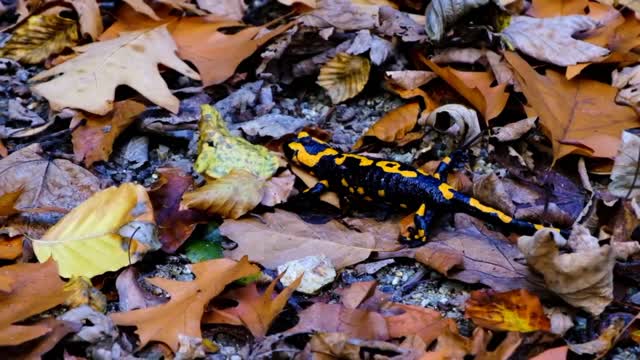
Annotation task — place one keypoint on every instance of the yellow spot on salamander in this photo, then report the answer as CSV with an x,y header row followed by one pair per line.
x,y
421,210
394,167
487,209
352,190
303,134
360,190
437,176
310,160
344,182
364,161
324,182
538,226
446,160
404,206
446,190
421,233
381,193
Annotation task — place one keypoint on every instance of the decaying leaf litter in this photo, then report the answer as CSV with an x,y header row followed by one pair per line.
x,y
147,210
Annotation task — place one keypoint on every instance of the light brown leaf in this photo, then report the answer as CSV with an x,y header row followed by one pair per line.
x,y
356,293
394,125
93,140
278,189
282,236
255,311
183,312
355,323
89,80
426,323
344,76
409,79
35,288
567,109
8,202
228,9
439,257
230,196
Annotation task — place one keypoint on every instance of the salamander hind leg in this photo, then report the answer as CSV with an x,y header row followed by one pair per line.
x,y
418,234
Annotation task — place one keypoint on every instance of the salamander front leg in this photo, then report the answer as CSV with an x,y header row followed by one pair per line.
x,y
418,234
449,163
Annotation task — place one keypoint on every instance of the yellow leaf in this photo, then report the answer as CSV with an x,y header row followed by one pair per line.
x,y
88,241
230,196
219,152
81,292
89,80
515,310
344,76
40,37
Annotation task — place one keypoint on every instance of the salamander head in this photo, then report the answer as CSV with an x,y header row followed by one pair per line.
x,y
306,150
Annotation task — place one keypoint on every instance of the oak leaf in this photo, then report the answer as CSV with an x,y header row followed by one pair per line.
x,y
89,80
93,140
567,109
515,310
344,76
254,310
101,234
35,288
282,236
183,313
39,37
475,87
394,125
362,324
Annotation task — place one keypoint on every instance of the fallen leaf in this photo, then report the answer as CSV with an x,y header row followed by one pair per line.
x,y
515,310
217,55
557,353
181,5
551,39
628,82
175,225
39,37
8,202
426,323
278,189
88,81
625,181
282,236
183,312
603,343
567,109
315,271
230,196
544,9
255,311
219,152
409,79
81,292
309,180
393,125
463,121
96,327
36,349
515,130
352,296
88,13
36,288
228,9
131,295
205,243
400,24
441,14
583,279
439,257
273,125
10,247
354,323
94,237
475,87
57,185
344,76
309,3
341,14
93,140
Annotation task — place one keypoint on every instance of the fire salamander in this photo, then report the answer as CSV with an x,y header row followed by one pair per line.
x,y
395,184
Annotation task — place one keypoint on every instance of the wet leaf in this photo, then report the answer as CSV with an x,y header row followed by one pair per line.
x,y
39,37
132,60
94,237
183,312
344,76
93,140
516,310
278,189
394,125
625,175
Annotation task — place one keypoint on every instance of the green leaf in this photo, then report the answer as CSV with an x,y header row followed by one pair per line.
x,y
205,243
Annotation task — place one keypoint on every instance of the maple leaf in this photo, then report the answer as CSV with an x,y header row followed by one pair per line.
x,y
571,111
282,236
516,310
34,289
183,312
93,140
89,81
255,311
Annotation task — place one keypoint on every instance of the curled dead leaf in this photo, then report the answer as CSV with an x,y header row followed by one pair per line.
x,y
344,76
463,121
441,14
625,181
394,125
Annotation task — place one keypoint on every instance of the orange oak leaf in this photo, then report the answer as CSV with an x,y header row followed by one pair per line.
x,y
474,86
183,312
394,125
426,323
93,141
579,116
515,310
34,288
255,311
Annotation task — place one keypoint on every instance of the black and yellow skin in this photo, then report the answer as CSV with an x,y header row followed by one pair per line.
x,y
390,182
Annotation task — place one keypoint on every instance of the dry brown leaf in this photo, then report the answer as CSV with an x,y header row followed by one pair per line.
x,y
514,130
227,9
356,293
439,257
475,87
89,80
624,179
282,236
627,81
583,279
355,323
603,343
394,125
463,121
567,109
254,310
344,76
88,13
543,8
516,310
278,189
93,140
183,312
35,288
309,3
230,196
10,247
342,14
409,79
54,185
8,202
426,323
557,353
